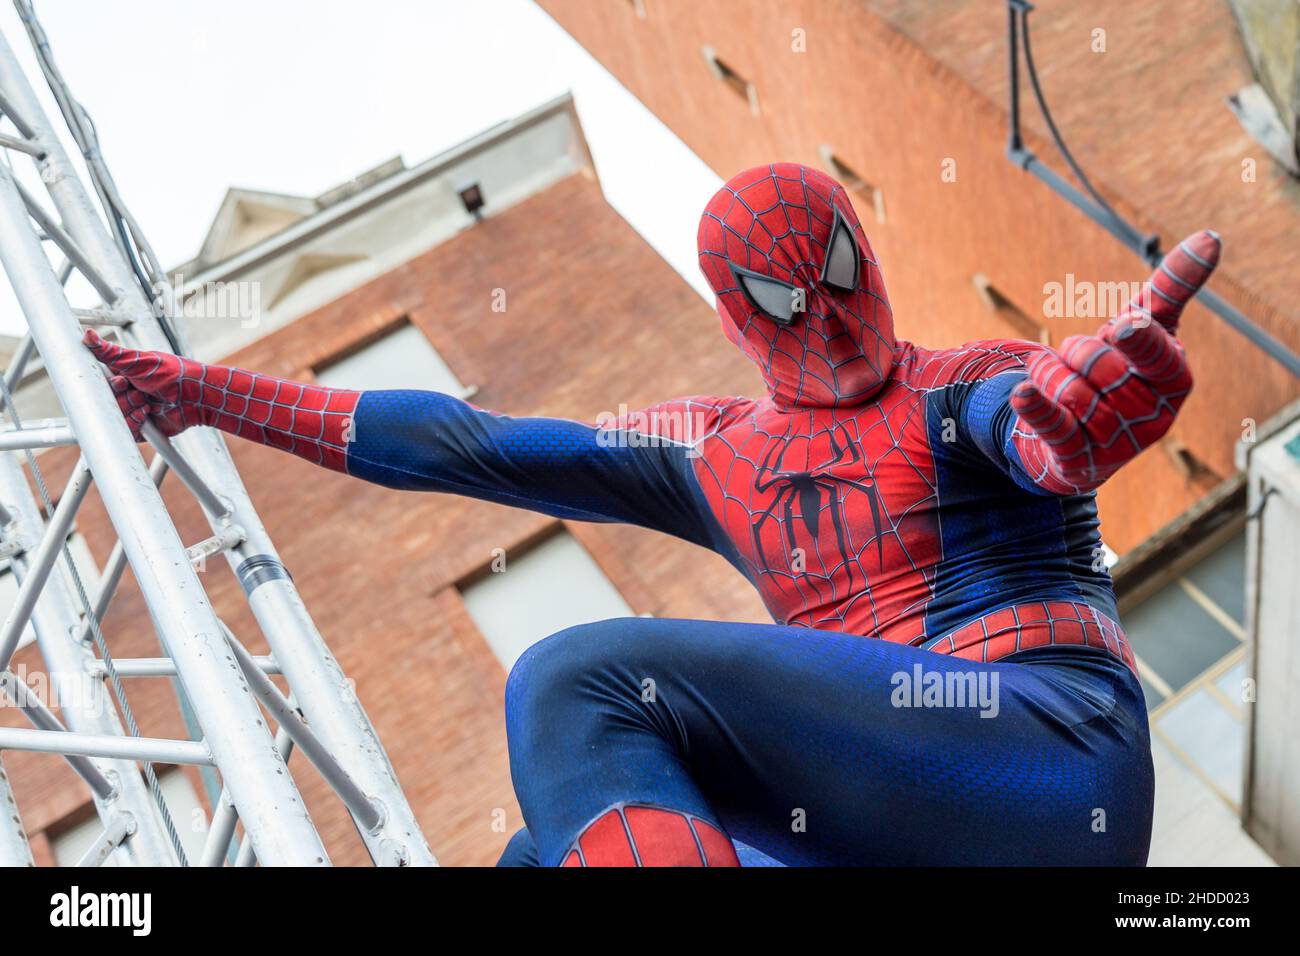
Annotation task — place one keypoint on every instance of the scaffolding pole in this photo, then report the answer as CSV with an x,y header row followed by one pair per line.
x,y
82,698
257,786
269,801
14,848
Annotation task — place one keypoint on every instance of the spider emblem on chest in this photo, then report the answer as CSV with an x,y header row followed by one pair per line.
x,y
815,490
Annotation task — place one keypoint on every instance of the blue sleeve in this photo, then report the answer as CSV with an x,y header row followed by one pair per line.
x,y
985,421
427,441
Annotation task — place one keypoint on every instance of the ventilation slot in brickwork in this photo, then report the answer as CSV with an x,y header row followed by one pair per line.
x,y
1189,464
854,182
1022,325
734,81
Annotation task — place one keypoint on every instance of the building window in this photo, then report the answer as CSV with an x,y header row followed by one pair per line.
x,y
549,587
854,182
1182,603
1022,325
734,81
1189,640
182,802
1192,623
86,569
400,358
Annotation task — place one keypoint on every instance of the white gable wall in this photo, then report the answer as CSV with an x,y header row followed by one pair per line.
x,y
387,225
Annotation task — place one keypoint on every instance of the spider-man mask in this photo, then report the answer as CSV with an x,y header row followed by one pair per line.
x,y
798,287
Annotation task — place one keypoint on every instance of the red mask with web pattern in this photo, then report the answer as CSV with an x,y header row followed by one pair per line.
x,y
798,287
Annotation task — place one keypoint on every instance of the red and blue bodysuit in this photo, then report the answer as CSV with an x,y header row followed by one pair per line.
x,y
946,681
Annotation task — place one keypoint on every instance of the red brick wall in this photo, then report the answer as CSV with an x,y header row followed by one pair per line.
x,y
594,318
895,113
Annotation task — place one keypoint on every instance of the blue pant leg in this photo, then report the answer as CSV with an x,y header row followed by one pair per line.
x,y
520,850
800,744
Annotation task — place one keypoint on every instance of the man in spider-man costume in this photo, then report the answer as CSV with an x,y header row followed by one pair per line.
x,y
947,682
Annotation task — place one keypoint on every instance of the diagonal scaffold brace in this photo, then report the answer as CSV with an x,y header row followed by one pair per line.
x,y
137,306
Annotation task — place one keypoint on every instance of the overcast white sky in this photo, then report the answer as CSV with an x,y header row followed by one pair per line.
x,y
299,95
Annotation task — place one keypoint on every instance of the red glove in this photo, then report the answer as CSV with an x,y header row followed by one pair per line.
x,y
176,393
1101,399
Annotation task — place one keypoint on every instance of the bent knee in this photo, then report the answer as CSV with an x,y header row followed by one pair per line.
x,y
556,665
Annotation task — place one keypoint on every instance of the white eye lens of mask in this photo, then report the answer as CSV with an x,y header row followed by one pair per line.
x,y
841,268
772,297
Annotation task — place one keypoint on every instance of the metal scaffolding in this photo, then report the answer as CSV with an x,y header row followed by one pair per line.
x,y
224,688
